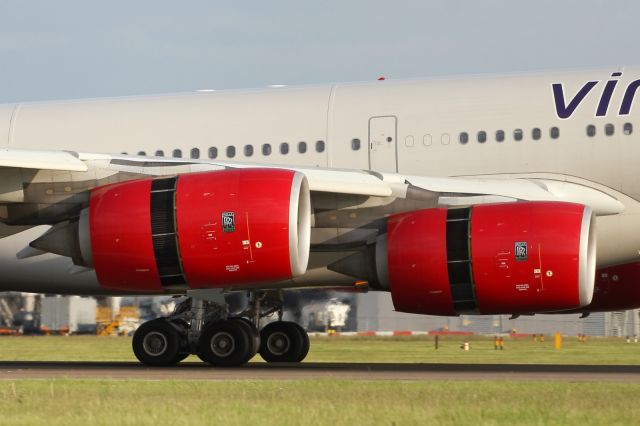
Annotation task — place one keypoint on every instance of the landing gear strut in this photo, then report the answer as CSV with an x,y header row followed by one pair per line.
x,y
202,325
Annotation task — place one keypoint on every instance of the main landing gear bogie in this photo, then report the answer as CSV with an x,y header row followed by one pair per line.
x,y
204,329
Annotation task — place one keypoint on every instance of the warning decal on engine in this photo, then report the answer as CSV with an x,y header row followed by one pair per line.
x,y
521,250
228,222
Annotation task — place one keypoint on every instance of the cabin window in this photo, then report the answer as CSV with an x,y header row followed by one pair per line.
x,y
177,153
231,151
482,136
591,130
518,134
248,150
609,130
159,153
500,135
213,152
302,147
266,149
195,153
142,153
627,129
355,144
284,148
320,146
536,134
554,133
463,137
427,140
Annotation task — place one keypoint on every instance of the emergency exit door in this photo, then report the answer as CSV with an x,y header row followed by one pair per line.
x,y
383,148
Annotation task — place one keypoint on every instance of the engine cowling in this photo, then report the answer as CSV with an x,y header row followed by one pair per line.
x,y
508,258
617,288
198,230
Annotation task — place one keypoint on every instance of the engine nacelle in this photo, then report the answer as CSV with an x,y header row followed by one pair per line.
x,y
506,258
617,288
198,230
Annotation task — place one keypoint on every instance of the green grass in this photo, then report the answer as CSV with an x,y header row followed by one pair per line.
x,y
325,401
315,402
352,349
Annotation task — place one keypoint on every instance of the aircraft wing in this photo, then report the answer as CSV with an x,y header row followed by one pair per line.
x,y
461,190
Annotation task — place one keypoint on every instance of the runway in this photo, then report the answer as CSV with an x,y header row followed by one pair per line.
x,y
15,370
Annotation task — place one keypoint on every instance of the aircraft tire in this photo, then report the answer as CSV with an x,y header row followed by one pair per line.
x,y
226,343
156,343
254,336
306,344
282,341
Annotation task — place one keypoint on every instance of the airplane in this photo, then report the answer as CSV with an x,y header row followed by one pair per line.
x,y
496,194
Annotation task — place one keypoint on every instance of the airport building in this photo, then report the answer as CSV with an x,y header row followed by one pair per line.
x,y
30,313
375,313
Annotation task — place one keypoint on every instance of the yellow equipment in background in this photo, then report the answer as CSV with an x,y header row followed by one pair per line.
x,y
121,324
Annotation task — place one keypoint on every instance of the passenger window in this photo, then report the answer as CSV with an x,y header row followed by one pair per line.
x,y
427,140
284,148
482,136
159,153
355,144
142,153
536,134
213,152
628,128
302,147
609,129
266,149
231,151
320,146
177,153
195,153
500,135
248,150
591,130
445,139
463,138
554,133
518,134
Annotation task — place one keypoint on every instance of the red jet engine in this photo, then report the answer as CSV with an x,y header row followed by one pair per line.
x,y
617,288
199,230
508,258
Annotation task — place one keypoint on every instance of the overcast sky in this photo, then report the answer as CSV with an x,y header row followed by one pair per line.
x,y
61,49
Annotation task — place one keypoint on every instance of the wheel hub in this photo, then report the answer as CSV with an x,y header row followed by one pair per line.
x,y
223,344
278,343
155,343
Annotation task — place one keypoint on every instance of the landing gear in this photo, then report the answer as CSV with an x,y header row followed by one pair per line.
x,y
157,343
283,341
227,343
201,325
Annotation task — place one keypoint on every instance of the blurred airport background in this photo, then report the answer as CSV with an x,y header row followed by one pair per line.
x,y
316,311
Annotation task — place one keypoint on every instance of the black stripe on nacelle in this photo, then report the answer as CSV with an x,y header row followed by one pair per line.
x,y
459,260
164,235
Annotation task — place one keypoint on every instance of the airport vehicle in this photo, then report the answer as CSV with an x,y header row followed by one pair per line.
x,y
328,316
482,194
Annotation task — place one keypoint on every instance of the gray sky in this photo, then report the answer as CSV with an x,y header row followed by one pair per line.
x,y
61,49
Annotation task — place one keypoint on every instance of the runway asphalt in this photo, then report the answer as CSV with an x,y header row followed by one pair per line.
x,y
15,370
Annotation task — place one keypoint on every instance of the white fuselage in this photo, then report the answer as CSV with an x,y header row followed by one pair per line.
x,y
410,127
